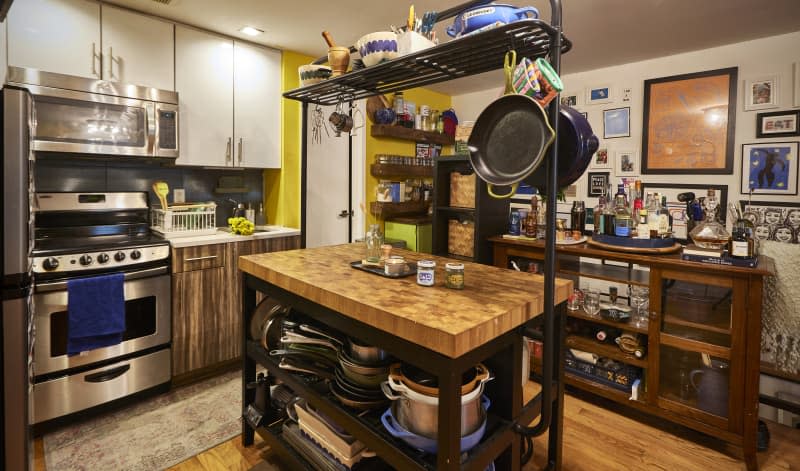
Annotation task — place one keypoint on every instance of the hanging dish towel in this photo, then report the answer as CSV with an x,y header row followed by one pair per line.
x,y
96,312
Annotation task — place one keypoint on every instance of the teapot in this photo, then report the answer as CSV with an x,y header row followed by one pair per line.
x,y
712,393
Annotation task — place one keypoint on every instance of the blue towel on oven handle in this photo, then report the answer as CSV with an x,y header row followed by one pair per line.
x,y
95,312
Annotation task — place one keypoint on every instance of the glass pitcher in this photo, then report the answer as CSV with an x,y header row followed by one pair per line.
x,y
373,241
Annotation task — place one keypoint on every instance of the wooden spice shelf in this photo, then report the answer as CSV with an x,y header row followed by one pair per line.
x,y
388,210
408,134
399,170
603,350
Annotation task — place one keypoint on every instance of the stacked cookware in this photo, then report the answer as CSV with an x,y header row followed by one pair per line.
x,y
414,413
358,375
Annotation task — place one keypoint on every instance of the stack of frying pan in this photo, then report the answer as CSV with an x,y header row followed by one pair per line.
x,y
358,376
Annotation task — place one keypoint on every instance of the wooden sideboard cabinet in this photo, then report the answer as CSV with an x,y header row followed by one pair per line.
x,y
701,362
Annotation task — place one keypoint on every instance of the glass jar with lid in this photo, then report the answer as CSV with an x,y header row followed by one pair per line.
x,y
454,278
373,241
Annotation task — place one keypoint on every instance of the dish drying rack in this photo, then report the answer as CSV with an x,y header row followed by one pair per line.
x,y
184,220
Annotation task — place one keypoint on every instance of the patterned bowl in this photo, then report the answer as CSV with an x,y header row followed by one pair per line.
x,y
377,47
313,73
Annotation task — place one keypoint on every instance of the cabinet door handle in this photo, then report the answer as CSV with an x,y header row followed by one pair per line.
x,y
110,63
95,57
228,150
194,259
241,149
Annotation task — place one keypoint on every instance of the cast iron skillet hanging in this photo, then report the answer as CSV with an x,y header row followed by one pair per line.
x,y
576,146
510,137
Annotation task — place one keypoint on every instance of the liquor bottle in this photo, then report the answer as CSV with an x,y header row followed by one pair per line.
x,y
710,234
578,216
532,219
642,229
622,217
652,214
599,226
608,217
399,108
742,243
664,218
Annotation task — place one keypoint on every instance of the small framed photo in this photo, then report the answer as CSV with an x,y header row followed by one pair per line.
x,y
598,181
773,220
600,159
626,163
778,124
569,99
600,94
769,168
761,93
617,123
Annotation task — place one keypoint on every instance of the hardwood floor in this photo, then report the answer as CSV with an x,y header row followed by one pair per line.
x,y
595,439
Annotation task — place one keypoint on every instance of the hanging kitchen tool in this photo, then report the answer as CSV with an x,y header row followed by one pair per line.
x,y
510,138
576,146
161,189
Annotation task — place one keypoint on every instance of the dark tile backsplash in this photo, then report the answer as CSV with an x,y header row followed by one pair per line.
x,y
64,173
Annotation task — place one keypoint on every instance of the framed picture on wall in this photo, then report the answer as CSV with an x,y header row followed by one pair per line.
x,y
569,99
769,168
761,93
778,124
626,163
598,181
600,159
689,123
773,220
598,94
617,123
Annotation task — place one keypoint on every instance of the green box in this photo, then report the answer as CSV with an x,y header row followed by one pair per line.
x,y
418,236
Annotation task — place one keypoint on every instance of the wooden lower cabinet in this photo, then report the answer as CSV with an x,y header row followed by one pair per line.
x,y
206,302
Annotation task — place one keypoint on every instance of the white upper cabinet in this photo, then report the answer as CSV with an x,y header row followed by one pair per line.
x,y
64,36
137,49
257,106
230,96
56,36
204,81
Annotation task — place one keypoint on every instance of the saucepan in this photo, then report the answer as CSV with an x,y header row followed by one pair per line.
x,y
510,137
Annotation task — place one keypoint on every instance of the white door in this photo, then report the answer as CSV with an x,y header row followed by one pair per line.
x,y
204,82
138,49
327,184
257,106
55,36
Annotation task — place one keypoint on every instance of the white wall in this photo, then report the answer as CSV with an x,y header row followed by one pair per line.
x,y
768,56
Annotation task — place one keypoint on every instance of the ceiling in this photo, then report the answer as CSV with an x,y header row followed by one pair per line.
x,y
603,32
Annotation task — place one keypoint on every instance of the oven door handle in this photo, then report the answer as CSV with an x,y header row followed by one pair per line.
x,y
107,375
134,275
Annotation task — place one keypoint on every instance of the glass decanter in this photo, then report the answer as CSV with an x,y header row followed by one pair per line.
x,y
710,234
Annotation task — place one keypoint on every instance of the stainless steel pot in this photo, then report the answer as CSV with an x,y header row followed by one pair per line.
x,y
419,413
366,354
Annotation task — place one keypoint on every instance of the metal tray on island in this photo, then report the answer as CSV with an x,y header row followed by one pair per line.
x,y
411,269
634,245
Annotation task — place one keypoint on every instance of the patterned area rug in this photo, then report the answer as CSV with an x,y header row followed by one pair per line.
x,y
153,434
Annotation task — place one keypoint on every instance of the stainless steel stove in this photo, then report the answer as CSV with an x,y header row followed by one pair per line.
x,y
81,235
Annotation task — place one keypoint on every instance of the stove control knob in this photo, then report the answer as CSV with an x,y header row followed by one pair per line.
x,y
50,263
135,254
102,258
85,260
119,256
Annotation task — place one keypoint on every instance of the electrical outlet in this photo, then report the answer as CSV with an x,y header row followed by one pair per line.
x,y
179,195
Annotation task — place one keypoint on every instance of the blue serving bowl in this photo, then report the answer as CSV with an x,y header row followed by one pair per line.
x,y
377,47
481,16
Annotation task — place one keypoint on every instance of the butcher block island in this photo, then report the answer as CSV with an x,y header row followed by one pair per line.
x,y
442,331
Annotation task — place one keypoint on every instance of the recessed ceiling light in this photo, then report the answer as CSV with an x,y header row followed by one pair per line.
x,y
250,31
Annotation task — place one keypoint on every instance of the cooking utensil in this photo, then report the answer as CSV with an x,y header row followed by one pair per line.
x,y
328,39
576,146
509,139
161,189
347,361
366,354
321,333
311,358
429,445
428,384
265,324
477,17
293,337
349,401
357,390
296,365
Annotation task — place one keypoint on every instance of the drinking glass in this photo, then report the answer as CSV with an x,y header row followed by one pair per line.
x,y
591,302
640,297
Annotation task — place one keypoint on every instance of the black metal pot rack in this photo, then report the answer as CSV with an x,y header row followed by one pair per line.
x,y
467,56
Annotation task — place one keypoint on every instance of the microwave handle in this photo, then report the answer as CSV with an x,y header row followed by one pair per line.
x,y
150,126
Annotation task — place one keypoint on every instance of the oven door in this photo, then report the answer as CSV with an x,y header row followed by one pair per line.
x,y
147,321
91,123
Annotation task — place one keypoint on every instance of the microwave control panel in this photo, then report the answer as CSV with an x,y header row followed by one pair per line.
x,y
167,129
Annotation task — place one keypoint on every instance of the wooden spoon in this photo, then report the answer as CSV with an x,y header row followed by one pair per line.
x,y
161,189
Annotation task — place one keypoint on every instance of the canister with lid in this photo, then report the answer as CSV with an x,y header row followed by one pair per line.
x,y
426,272
455,275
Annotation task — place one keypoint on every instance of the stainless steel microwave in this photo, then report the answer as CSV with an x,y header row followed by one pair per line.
x,y
87,116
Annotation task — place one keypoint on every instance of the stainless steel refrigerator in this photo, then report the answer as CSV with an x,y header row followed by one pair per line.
x,y
17,310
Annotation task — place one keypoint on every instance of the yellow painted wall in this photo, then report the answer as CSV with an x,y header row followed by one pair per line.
x,y
384,145
282,186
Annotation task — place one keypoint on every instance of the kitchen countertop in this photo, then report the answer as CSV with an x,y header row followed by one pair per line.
x,y
224,236
451,322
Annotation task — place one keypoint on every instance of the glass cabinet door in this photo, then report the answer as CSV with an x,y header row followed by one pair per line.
x,y
696,319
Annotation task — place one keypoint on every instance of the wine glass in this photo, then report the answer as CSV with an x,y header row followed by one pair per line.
x,y
591,302
640,297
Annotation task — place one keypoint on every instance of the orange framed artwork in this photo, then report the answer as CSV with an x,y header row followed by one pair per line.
x,y
689,123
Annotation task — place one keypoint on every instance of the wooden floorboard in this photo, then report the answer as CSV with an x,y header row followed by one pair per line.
x,y
595,439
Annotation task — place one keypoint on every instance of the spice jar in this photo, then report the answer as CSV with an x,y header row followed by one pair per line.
x,y
455,275
426,272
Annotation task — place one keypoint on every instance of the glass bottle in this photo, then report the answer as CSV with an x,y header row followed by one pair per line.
x,y
599,226
373,241
622,217
710,234
664,218
642,228
578,216
608,217
261,217
652,214
399,108
742,244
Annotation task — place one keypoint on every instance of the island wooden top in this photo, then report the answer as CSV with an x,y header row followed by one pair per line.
x,y
451,322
